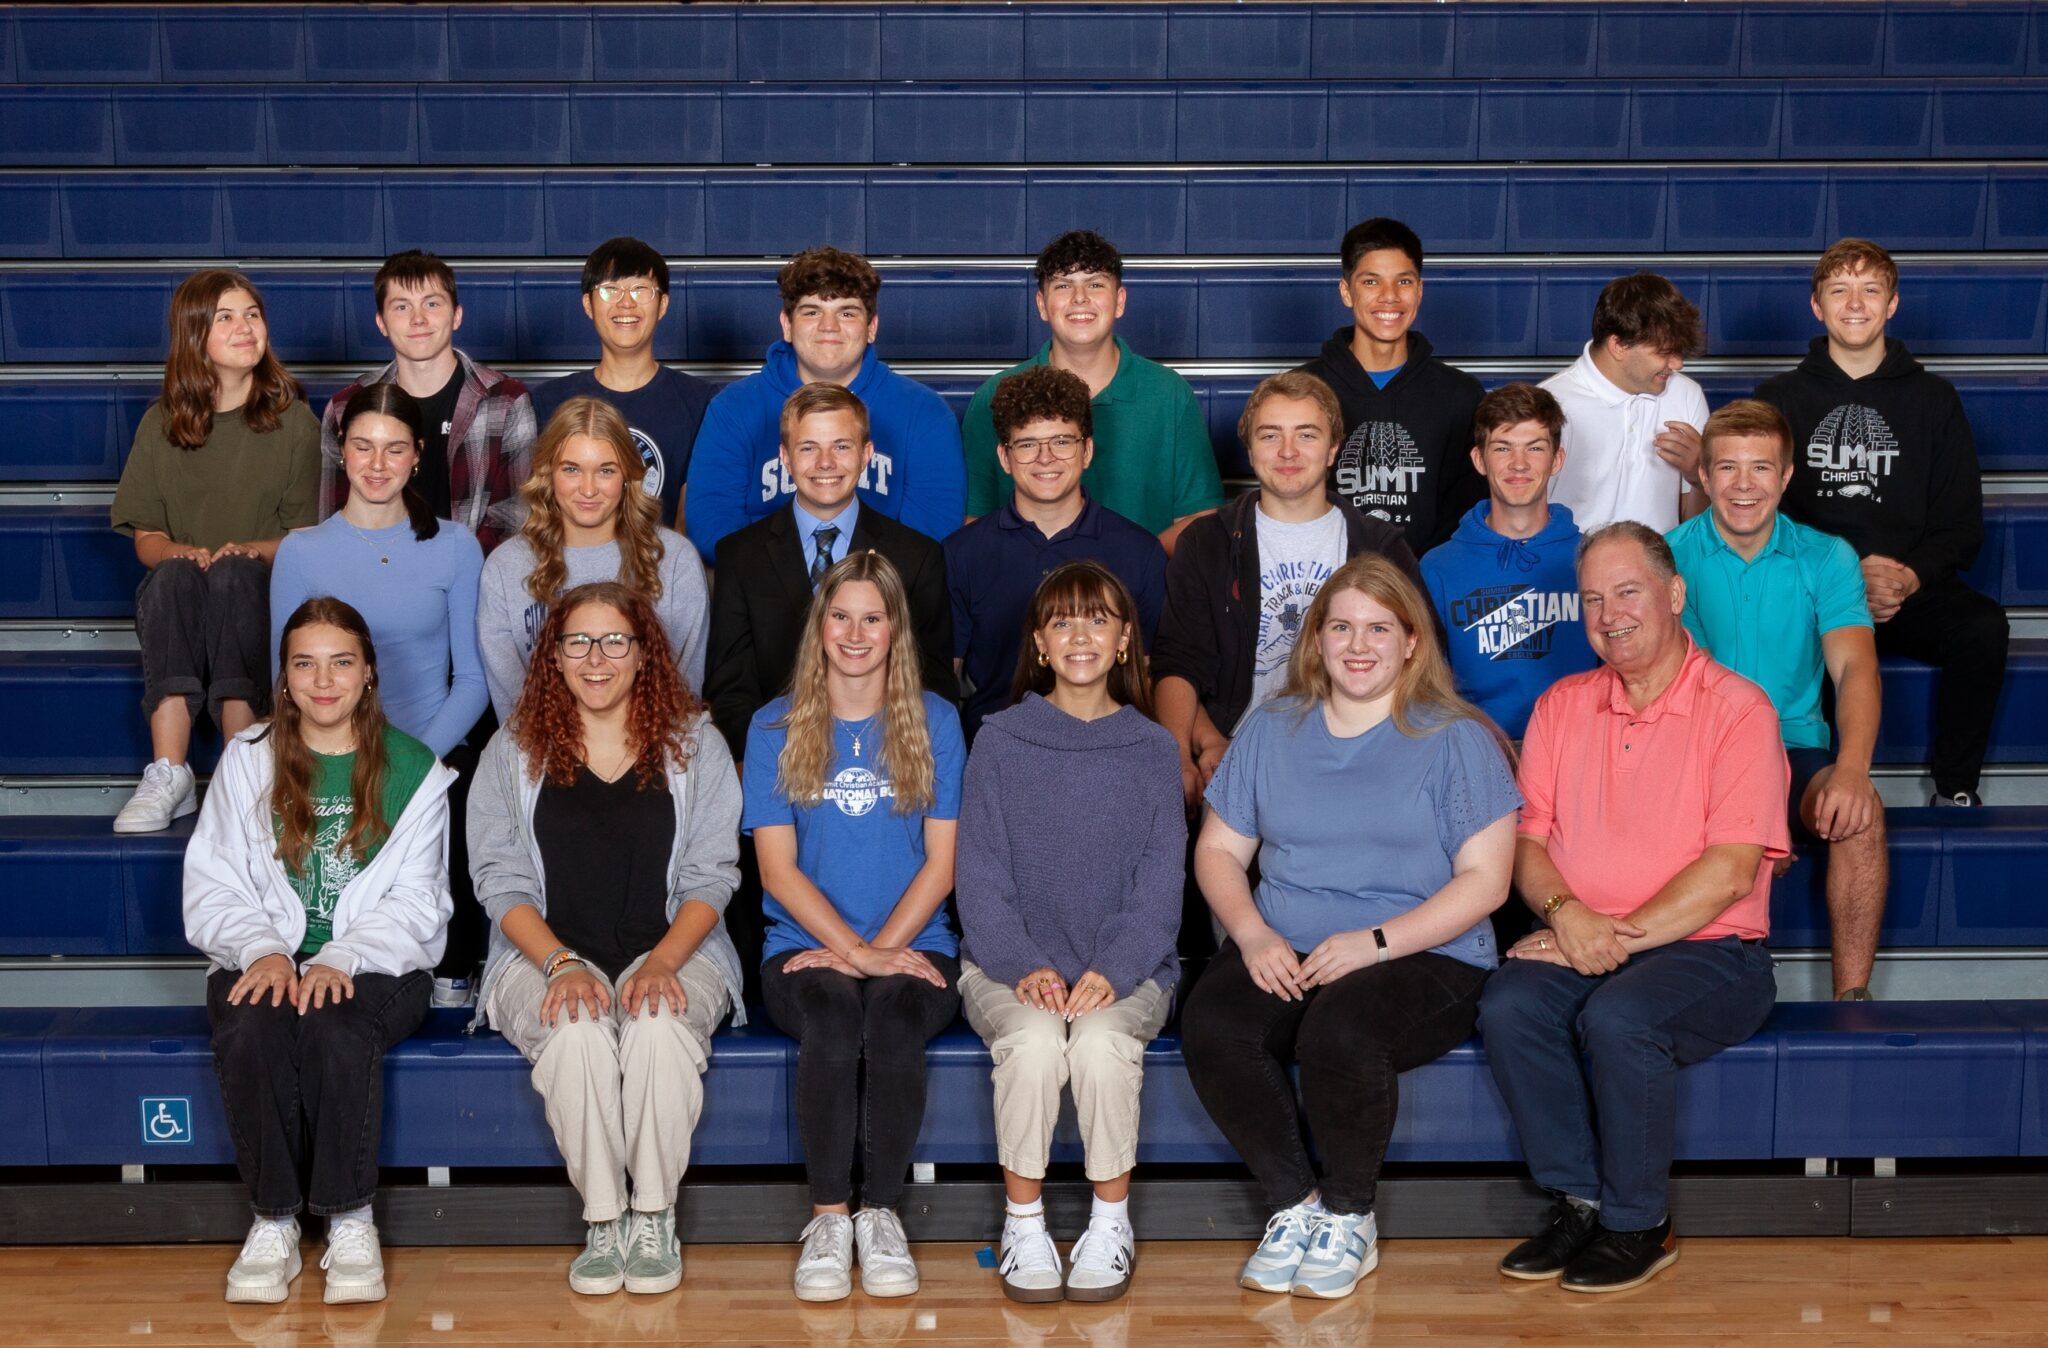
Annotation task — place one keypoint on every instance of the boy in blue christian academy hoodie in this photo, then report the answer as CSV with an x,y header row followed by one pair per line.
x,y
1509,606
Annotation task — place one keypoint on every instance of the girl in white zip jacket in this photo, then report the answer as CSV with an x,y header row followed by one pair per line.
x,y
604,842
316,883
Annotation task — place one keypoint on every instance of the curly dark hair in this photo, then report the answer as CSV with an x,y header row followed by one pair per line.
x,y
548,725
1644,308
1078,250
1040,393
828,273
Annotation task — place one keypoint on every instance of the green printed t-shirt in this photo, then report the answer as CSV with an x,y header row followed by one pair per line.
x,y
329,867
1153,459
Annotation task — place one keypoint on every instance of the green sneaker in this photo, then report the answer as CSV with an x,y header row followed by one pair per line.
x,y
601,1268
654,1261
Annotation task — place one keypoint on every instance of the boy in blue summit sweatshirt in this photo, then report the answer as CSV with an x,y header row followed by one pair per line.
x,y
917,476
1506,584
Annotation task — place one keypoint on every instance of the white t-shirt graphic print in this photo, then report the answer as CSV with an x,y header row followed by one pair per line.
x,y
1294,561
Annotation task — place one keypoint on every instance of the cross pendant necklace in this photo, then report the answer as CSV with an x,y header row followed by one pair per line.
x,y
865,726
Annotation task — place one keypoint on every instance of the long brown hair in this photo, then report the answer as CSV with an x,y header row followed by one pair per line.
x,y
1084,589
291,778
639,517
189,380
906,751
547,724
1425,698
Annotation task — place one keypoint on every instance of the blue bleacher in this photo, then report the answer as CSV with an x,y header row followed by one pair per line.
x,y
1244,312
2032,1020
735,212
1897,1079
1049,122
1901,1079
142,142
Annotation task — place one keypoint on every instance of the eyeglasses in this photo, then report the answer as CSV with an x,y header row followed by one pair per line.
x,y
576,645
611,294
1061,447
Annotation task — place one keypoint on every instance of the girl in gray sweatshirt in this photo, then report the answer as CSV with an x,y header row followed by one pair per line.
x,y
1068,886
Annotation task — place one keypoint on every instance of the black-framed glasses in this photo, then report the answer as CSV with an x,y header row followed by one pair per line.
x,y
1061,447
576,645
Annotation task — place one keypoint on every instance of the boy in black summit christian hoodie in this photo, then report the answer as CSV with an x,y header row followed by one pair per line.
x,y
1886,461
1407,455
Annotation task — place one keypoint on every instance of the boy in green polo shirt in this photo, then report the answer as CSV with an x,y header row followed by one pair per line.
x,y
1782,604
1153,460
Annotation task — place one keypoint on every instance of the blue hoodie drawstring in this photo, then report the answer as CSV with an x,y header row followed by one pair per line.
x,y
1517,553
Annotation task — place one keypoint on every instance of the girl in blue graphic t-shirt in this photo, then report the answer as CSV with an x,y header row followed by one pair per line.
x,y
853,794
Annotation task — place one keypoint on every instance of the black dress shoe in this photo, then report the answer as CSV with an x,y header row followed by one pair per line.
x,y
1573,1226
1619,1260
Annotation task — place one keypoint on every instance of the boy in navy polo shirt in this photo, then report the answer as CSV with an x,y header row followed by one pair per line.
x,y
1044,441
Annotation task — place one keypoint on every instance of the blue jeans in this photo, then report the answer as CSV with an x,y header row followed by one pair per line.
x,y
1566,1048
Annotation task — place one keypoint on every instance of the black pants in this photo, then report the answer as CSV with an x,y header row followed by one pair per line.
x,y
1964,635
841,1026
469,927
305,1094
205,635
1352,1039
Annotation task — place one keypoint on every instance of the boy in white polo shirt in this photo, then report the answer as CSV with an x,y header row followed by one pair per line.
x,y
1632,421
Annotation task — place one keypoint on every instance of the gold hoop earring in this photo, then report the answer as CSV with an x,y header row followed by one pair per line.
x,y
1043,660
1123,656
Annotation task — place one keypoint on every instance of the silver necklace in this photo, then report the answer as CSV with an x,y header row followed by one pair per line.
x,y
375,546
865,727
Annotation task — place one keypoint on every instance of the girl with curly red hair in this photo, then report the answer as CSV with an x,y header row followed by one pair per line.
x,y
603,839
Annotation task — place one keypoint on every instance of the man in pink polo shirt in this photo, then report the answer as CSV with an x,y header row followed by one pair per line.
x,y
1655,789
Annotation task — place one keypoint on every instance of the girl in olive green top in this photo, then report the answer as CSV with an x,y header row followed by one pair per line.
x,y
225,462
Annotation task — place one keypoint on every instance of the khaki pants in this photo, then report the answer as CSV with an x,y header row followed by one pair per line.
x,y
1036,1053
623,1092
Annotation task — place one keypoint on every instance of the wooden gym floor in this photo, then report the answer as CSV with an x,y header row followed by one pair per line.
x,y
1986,1290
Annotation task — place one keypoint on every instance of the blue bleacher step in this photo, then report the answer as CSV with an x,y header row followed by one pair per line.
x,y
1180,309
1962,880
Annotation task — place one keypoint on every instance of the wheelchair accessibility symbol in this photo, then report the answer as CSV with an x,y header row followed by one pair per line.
x,y
166,1120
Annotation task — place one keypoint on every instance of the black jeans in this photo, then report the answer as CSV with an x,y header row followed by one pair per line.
x,y
469,927
205,635
305,1094
1352,1039
841,1025
1964,635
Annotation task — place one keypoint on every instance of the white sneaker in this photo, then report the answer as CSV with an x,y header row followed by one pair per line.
x,y
452,992
886,1268
1029,1264
166,792
1343,1248
1102,1261
354,1264
269,1260
824,1271
1271,1267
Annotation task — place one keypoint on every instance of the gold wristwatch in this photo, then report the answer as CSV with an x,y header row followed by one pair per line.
x,y
1555,902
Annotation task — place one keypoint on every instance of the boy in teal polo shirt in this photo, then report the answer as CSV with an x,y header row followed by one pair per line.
x,y
1782,604
1153,460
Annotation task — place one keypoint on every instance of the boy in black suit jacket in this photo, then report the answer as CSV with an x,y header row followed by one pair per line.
x,y
766,570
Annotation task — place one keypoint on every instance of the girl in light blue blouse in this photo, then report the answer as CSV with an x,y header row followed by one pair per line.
x,y
413,578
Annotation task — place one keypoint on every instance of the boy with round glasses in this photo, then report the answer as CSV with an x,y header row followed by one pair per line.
x,y
1044,442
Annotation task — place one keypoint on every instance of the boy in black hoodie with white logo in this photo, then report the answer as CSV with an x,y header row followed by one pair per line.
x,y
1407,415
1886,461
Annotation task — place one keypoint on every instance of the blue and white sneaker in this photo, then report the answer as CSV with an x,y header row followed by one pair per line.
x,y
1343,1247
1271,1267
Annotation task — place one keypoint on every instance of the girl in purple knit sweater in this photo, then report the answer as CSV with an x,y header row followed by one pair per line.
x,y
1068,885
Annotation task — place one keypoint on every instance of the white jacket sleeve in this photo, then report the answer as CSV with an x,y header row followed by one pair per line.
x,y
406,927
225,919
